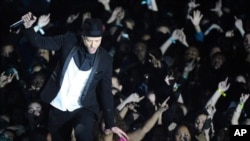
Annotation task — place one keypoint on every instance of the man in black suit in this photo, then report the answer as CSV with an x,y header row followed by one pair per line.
x,y
71,89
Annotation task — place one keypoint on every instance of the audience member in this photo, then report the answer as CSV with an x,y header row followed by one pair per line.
x,y
198,56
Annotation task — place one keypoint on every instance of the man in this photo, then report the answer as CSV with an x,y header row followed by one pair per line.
x,y
71,89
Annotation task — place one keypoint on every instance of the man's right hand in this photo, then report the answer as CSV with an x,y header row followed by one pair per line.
x,y
29,19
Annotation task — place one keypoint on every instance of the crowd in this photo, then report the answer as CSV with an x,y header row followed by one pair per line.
x,y
181,68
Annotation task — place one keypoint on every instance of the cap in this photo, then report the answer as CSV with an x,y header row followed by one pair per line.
x,y
92,27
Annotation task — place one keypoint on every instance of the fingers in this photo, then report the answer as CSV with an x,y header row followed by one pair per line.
x,y
151,55
226,80
28,17
141,98
119,132
2,74
123,134
244,97
166,100
168,78
164,103
107,131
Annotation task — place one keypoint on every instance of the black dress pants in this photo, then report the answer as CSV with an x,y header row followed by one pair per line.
x,y
61,123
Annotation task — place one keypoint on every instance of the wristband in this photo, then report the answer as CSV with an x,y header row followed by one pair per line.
x,y
241,105
222,93
172,40
184,77
38,28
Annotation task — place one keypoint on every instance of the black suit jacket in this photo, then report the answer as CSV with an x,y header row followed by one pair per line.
x,y
101,73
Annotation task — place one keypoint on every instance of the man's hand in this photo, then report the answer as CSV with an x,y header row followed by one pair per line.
x,y
43,20
29,19
117,131
4,79
178,34
224,85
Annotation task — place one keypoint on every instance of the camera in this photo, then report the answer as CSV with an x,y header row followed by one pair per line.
x,y
11,71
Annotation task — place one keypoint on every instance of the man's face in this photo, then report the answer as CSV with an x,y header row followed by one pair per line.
x,y
192,53
217,61
199,122
37,82
35,108
92,43
247,43
7,50
182,134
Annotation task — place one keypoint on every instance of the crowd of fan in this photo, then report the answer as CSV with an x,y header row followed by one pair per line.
x,y
177,65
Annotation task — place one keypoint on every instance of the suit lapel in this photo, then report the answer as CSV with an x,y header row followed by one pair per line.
x,y
71,54
92,73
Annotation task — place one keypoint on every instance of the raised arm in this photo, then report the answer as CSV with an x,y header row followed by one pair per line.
x,y
134,97
43,20
5,79
139,134
223,86
29,19
177,34
239,108
218,8
125,109
152,5
117,15
196,19
239,25
106,4
191,6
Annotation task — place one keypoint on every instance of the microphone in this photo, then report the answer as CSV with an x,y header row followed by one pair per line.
x,y
16,24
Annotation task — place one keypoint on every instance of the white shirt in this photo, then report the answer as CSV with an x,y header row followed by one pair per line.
x,y
74,81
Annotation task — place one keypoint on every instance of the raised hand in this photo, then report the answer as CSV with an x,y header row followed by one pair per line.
x,y
134,97
117,131
243,98
43,20
218,8
224,85
104,2
4,79
72,18
156,62
168,78
29,19
192,4
196,18
85,16
164,105
178,34
239,25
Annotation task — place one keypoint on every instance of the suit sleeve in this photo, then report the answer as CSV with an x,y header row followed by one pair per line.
x,y
107,97
49,42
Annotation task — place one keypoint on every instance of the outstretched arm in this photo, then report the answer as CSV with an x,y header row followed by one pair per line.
x,y
29,19
5,79
177,34
196,19
223,86
43,20
139,134
134,97
239,108
239,25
